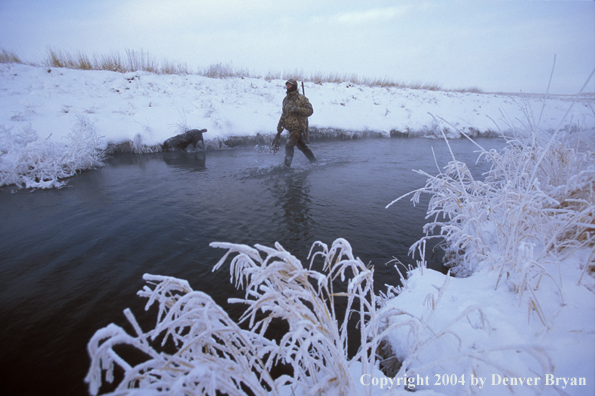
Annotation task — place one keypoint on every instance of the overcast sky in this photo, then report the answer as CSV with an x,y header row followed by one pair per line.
x,y
498,46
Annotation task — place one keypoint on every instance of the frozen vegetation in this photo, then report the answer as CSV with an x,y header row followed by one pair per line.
x,y
31,162
515,315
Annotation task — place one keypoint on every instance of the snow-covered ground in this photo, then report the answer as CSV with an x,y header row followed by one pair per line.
x,y
475,327
529,335
155,107
47,113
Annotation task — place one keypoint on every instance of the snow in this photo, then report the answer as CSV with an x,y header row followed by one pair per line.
x,y
156,107
58,120
497,335
48,105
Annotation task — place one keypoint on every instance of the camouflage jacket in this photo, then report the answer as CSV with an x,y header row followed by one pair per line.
x,y
296,110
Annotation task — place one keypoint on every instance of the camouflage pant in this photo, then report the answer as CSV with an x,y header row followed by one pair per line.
x,y
295,139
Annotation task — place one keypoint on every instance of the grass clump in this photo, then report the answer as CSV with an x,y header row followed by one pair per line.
x,y
216,354
9,57
132,61
223,70
29,162
535,207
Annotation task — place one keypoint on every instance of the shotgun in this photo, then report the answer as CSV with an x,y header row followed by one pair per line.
x,y
307,128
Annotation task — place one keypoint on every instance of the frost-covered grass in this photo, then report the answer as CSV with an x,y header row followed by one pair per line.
x,y
537,199
544,200
522,246
215,354
26,161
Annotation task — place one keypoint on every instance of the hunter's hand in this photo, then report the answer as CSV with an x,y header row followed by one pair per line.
x,y
276,143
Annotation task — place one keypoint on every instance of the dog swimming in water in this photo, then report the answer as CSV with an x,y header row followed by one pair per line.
x,y
183,140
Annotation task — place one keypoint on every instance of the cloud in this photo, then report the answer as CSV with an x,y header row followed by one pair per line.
x,y
376,15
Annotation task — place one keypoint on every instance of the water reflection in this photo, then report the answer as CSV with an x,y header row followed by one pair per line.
x,y
192,160
195,161
293,208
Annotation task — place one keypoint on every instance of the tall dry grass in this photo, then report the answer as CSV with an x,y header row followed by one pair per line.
x,y
9,57
133,60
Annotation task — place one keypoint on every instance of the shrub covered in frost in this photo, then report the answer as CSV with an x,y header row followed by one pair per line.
x,y
537,199
29,162
215,354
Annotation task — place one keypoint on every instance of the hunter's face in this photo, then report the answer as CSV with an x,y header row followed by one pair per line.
x,y
287,85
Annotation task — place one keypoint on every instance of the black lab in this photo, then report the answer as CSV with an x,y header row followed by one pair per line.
x,y
183,140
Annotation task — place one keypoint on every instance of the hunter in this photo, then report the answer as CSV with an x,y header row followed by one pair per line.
x,y
296,110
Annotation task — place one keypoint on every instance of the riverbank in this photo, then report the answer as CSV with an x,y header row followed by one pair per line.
x,y
152,107
50,112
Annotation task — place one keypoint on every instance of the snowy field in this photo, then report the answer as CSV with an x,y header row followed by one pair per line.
x,y
518,319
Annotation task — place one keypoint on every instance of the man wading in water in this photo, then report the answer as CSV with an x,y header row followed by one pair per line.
x,y
296,110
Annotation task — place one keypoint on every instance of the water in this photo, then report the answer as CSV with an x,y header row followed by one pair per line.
x,y
73,259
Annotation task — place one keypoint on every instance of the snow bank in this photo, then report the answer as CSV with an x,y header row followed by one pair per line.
x,y
468,327
157,106
143,109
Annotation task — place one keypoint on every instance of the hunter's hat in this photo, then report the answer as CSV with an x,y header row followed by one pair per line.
x,y
292,82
